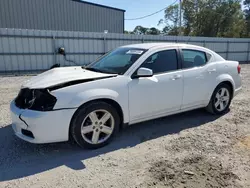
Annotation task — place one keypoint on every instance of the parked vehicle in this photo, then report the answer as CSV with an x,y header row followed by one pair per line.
x,y
130,84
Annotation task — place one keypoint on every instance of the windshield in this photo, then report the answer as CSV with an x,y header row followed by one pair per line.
x,y
117,61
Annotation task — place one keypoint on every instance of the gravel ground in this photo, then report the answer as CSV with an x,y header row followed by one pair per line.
x,y
193,149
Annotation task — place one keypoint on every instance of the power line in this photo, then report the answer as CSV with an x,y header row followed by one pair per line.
x,y
152,13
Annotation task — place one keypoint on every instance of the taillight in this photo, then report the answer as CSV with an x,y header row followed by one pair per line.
x,y
238,69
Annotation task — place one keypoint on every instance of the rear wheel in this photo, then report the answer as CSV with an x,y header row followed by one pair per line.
x,y
95,124
220,100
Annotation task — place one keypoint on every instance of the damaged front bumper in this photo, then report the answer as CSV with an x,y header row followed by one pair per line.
x,y
41,127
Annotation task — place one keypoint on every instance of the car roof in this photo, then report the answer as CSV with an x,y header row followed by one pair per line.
x,y
148,46
159,44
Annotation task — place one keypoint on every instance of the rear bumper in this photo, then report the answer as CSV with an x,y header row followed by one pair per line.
x,y
46,127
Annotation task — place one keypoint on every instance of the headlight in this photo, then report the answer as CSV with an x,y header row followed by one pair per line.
x,y
35,99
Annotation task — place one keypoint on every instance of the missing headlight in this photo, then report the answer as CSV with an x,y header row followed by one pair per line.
x,y
35,99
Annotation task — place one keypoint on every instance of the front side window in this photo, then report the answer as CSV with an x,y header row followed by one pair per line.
x,y
162,61
117,61
193,58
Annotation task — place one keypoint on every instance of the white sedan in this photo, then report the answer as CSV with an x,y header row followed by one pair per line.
x,y
130,84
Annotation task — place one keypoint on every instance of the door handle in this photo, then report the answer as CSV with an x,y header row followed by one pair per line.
x,y
211,70
176,77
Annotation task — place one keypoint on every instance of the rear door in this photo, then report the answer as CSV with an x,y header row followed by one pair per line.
x,y
198,76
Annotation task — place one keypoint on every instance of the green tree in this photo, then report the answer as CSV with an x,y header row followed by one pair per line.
x,y
210,18
246,4
140,30
128,32
170,20
153,31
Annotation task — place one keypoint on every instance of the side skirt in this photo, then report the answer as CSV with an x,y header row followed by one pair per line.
x,y
165,114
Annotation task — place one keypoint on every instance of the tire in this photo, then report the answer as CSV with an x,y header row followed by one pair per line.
x,y
213,106
85,126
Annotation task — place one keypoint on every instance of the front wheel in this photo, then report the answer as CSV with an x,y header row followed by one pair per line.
x,y
95,124
220,100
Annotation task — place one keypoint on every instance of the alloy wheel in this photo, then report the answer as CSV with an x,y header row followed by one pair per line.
x,y
222,99
97,126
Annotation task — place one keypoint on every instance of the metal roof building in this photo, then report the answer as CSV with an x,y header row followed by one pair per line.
x,y
63,15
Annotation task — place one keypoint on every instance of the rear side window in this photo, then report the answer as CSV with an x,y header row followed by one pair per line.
x,y
162,61
193,58
209,56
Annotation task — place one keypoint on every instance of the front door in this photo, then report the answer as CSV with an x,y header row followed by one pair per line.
x,y
159,94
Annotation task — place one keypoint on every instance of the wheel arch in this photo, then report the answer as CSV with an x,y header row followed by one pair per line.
x,y
112,102
210,107
230,85
224,78
227,79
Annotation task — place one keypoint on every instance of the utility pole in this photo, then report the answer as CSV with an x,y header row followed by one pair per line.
x,y
180,19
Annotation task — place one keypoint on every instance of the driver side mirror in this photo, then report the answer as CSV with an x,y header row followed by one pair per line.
x,y
144,72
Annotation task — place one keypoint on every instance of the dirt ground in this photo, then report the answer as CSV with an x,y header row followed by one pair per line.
x,y
191,150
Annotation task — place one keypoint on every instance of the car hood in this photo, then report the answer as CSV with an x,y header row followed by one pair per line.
x,y
62,75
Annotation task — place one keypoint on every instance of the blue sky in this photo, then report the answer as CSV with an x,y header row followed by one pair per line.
x,y
138,8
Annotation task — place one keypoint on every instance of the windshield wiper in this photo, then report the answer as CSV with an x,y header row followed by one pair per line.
x,y
93,69
98,70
